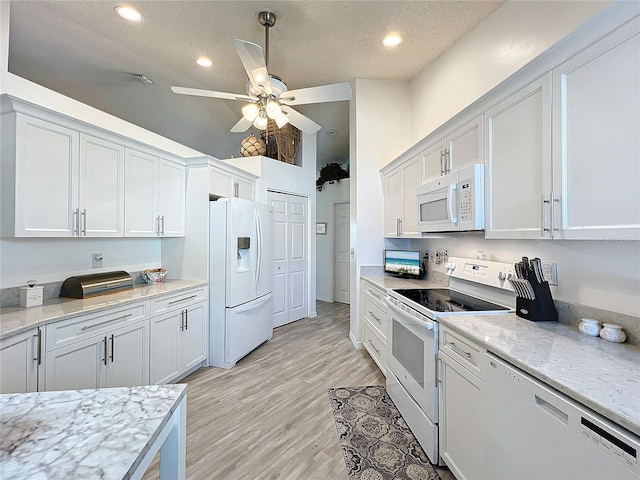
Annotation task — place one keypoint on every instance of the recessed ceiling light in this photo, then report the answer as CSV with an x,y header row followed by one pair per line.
x,y
204,62
129,13
392,40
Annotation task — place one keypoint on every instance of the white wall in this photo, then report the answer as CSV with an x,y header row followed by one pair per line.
x,y
325,202
55,259
598,274
379,132
507,40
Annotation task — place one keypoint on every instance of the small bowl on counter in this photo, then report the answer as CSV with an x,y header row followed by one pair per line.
x,y
613,333
589,326
154,276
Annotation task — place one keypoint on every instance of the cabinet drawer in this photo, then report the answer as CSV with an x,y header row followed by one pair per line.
x,y
377,315
462,350
375,345
176,301
375,293
73,330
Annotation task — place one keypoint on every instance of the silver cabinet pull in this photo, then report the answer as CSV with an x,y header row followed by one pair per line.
x,y
113,352
373,346
375,294
442,167
182,321
400,229
458,350
84,222
543,214
38,347
552,200
183,299
447,161
76,222
87,327
158,225
375,318
162,220
236,189
104,340
186,319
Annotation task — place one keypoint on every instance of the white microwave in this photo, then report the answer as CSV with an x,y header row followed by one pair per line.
x,y
453,202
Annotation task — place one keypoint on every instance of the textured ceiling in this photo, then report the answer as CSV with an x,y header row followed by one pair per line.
x,y
83,50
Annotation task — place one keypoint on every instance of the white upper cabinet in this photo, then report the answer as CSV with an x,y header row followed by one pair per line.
x,y
518,162
401,218
101,188
596,146
458,149
223,183
154,196
44,184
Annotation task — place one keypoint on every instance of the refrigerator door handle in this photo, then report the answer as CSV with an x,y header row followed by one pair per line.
x,y
252,304
259,259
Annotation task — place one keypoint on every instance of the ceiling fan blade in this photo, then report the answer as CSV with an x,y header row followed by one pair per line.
x,y
242,125
210,93
252,59
324,93
298,120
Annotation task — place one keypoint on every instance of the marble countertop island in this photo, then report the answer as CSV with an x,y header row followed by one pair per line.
x,y
601,375
107,434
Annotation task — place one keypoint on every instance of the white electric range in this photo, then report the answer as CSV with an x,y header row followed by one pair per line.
x,y
476,287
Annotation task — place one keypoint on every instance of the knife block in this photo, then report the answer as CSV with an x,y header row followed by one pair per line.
x,y
539,310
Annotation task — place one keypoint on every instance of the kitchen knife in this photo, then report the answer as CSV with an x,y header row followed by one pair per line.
x,y
537,268
525,263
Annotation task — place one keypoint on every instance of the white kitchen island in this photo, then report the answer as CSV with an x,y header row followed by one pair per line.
x,y
110,433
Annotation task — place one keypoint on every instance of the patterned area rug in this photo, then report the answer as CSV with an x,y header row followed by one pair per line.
x,y
376,442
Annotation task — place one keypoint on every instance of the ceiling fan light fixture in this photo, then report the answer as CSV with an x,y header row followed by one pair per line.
x,y
273,109
260,74
261,121
250,111
281,120
128,13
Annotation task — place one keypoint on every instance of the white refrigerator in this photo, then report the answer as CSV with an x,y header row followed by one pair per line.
x,y
240,279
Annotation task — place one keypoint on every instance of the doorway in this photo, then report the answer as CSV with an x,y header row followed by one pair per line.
x,y
290,256
341,252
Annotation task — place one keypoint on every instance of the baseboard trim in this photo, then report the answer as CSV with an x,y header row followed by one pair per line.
x,y
313,314
356,343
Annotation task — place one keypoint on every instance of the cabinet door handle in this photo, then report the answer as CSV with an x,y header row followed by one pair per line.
x,y
87,327
38,347
104,340
182,320
458,350
84,222
113,351
183,299
186,319
375,318
162,220
76,222
158,225
442,167
236,189
400,229
375,294
373,346
552,201
447,161
543,214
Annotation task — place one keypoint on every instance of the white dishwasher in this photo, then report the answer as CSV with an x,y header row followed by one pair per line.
x,y
535,432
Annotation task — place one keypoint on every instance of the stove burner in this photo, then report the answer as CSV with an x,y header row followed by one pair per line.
x,y
445,300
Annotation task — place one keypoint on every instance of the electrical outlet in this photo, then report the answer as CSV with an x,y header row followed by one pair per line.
x,y
550,271
96,260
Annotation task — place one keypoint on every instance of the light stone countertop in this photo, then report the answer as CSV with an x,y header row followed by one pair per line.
x,y
388,281
89,434
601,375
14,320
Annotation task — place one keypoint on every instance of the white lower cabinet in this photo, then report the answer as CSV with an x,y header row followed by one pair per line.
x,y
374,323
461,433
115,358
20,360
178,342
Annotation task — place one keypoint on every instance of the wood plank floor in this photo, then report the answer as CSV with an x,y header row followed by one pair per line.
x,y
269,417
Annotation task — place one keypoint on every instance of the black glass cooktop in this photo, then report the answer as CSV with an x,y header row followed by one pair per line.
x,y
445,300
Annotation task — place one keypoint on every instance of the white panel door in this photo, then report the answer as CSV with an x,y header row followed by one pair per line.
x,y
47,158
393,202
19,363
193,339
290,257
596,151
164,348
298,257
341,252
433,160
465,146
101,188
141,195
411,175
128,362
171,199
518,168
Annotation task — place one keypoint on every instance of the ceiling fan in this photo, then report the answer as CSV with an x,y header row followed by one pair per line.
x,y
267,95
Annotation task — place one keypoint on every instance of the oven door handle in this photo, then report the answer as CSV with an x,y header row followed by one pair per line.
x,y
428,324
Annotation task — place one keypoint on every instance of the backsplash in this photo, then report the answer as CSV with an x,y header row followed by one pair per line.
x,y
10,297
